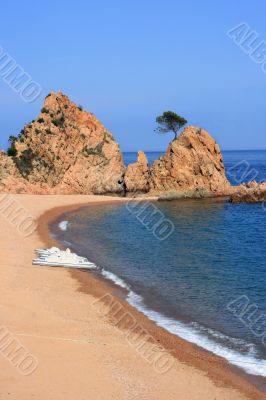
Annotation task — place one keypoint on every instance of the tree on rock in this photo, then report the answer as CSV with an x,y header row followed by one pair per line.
x,y
170,122
12,151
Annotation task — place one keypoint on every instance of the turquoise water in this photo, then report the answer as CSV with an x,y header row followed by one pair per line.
x,y
186,282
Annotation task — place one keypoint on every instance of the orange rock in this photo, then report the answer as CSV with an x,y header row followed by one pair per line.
x,y
251,192
137,175
191,167
67,150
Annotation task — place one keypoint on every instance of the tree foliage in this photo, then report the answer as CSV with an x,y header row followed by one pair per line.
x,y
169,121
12,151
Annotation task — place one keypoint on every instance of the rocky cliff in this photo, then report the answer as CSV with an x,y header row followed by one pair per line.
x,y
67,150
191,167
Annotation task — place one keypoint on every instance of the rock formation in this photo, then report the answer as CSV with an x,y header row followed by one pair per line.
x,y
137,175
67,150
191,167
251,192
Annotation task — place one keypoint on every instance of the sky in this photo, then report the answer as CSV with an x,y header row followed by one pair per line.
x,y
128,61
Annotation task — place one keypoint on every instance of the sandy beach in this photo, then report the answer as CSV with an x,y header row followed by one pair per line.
x,y
80,351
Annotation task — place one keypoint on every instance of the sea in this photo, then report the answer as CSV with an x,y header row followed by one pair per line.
x,y
205,281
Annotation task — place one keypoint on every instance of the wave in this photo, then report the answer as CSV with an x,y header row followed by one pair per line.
x,y
204,337
63,225
114,278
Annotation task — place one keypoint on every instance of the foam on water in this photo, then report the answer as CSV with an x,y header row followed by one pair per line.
x,y
114,278
63,225
193,332
188,275
204,338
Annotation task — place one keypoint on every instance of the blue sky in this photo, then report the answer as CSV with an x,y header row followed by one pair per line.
x,y
128,61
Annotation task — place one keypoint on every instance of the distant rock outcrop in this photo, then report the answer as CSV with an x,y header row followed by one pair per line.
x,y
191,167
251,192
137,175
67,150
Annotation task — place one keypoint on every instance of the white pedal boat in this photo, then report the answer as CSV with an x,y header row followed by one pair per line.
x,y
55,257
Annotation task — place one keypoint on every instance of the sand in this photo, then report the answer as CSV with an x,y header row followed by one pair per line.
x,y
80,351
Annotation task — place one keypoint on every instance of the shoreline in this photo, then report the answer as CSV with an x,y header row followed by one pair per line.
x,y
216,368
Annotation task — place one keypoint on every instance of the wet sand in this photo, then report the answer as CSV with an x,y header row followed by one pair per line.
x,y
84,351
